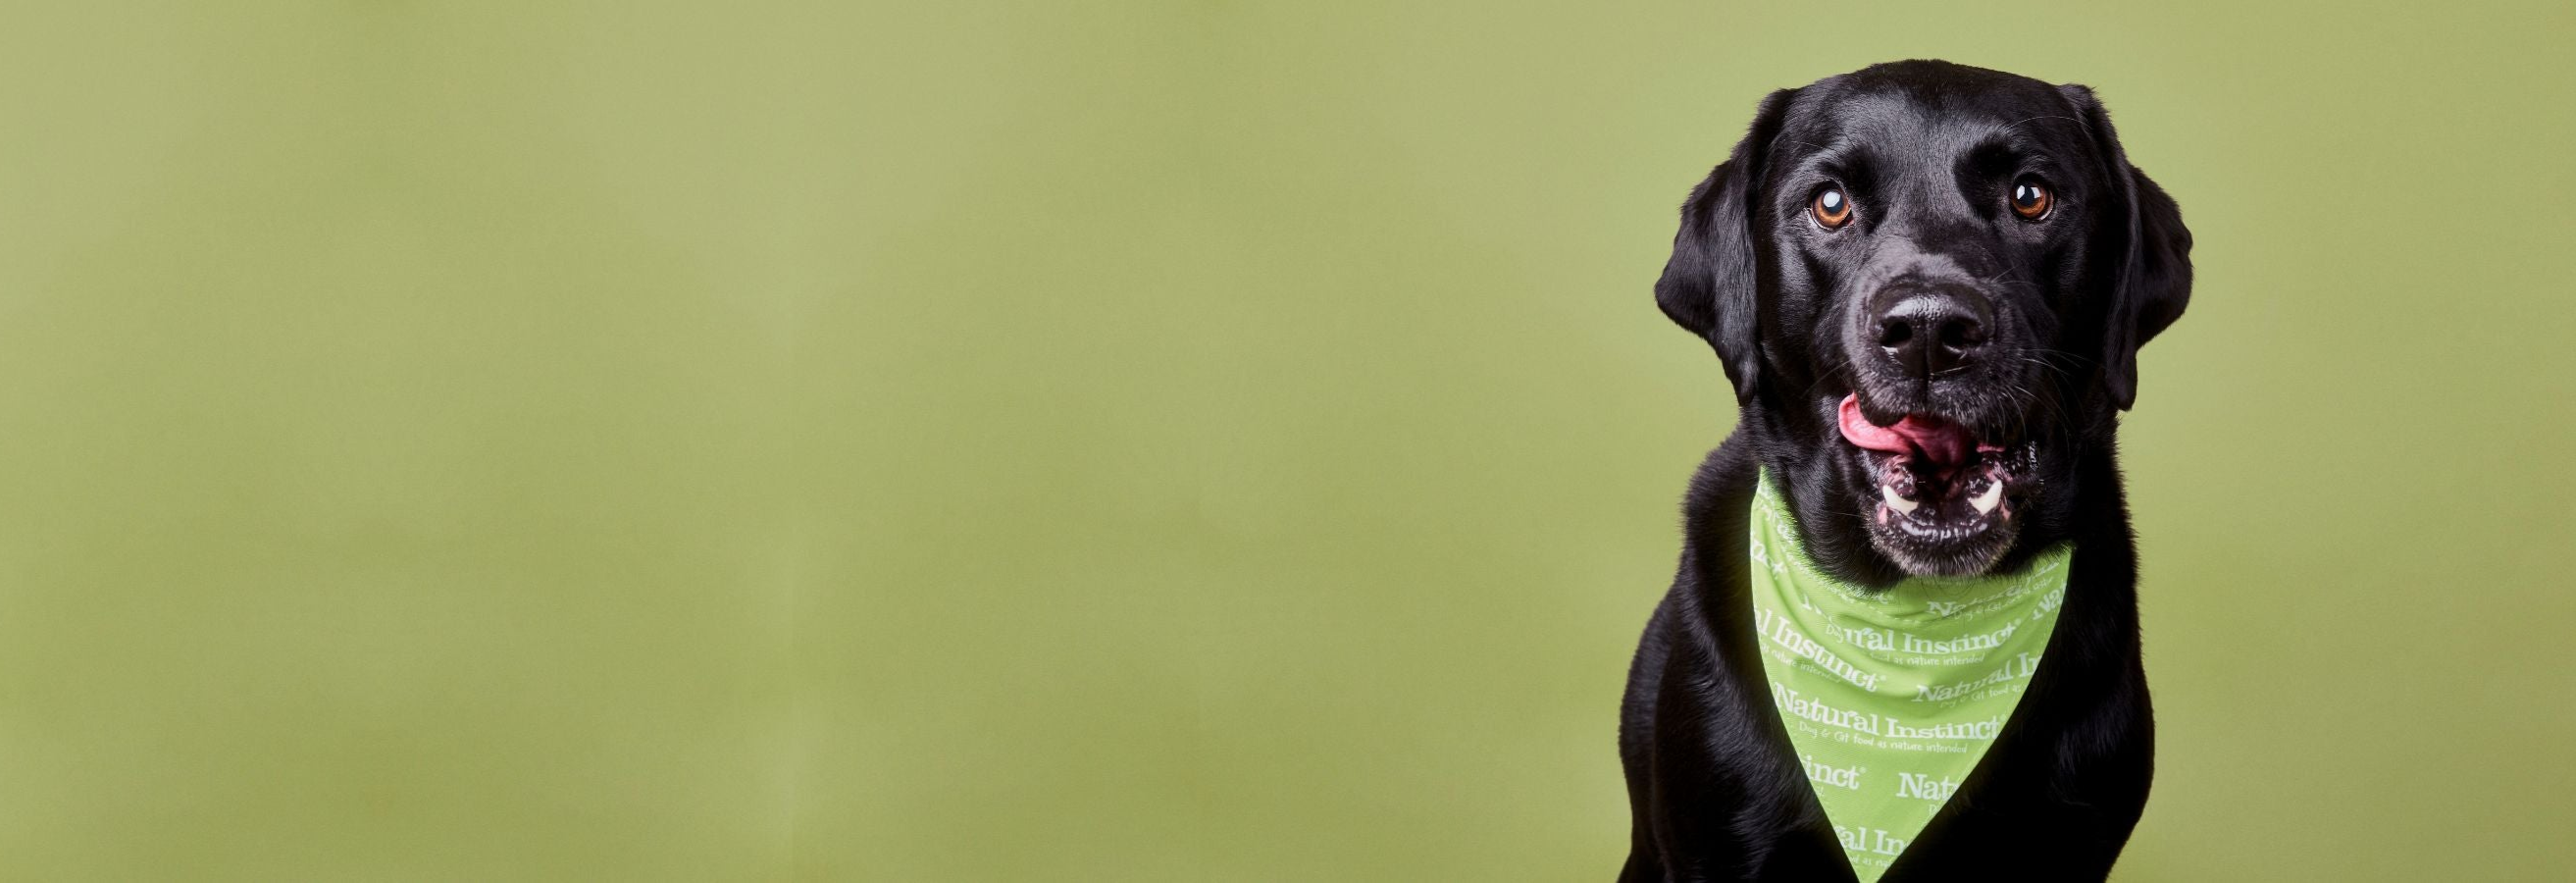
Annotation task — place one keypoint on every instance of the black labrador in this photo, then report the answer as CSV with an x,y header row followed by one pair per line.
x,y
1970,249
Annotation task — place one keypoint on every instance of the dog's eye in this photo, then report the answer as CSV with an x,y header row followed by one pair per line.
x,y
1831,208
2030,199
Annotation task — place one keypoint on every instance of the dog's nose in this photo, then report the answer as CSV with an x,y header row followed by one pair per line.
x,y
1932,333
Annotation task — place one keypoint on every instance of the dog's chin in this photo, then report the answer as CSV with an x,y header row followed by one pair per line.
x,y
1946,521
1942,499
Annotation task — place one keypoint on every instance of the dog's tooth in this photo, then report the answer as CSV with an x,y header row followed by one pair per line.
x,y
1993,496
1895,502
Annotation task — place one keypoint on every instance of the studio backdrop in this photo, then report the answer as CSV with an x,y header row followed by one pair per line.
x,y
1165,441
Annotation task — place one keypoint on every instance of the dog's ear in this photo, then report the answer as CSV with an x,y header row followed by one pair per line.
x,y
1708,285
2152,282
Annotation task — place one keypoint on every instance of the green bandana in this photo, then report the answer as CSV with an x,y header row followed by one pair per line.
x,y
1891,697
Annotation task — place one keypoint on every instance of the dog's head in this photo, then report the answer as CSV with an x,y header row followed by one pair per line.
x,y
1929,284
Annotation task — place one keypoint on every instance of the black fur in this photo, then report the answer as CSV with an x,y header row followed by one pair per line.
x,y
1926,149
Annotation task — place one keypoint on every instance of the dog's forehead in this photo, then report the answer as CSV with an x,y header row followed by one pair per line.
x,y
1892,117
1929,111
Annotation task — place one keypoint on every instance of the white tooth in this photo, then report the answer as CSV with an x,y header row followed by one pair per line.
x,y
1987,501
1895,502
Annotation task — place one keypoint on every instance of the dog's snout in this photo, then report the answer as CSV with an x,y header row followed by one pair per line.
x,y
1932,331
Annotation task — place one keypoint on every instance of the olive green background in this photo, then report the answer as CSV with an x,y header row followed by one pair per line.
x,y
1124,442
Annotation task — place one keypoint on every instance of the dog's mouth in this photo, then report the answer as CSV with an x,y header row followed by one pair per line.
x,y
1945,495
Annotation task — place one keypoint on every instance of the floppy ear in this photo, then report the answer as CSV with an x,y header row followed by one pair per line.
x,y
2153,281
1708,285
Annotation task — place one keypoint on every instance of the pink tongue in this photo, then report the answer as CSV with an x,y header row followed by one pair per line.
x,y
1941,441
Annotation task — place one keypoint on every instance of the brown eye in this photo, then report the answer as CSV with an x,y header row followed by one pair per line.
x,y
2030,199
1831,208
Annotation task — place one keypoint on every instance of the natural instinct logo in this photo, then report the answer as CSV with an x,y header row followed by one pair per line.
x,y
1891,696
2013,671
2044,573
1808,708
1847,778
1875,841
1785,634
1924,787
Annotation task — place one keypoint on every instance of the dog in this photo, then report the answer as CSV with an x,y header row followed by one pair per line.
x,y
1925,282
